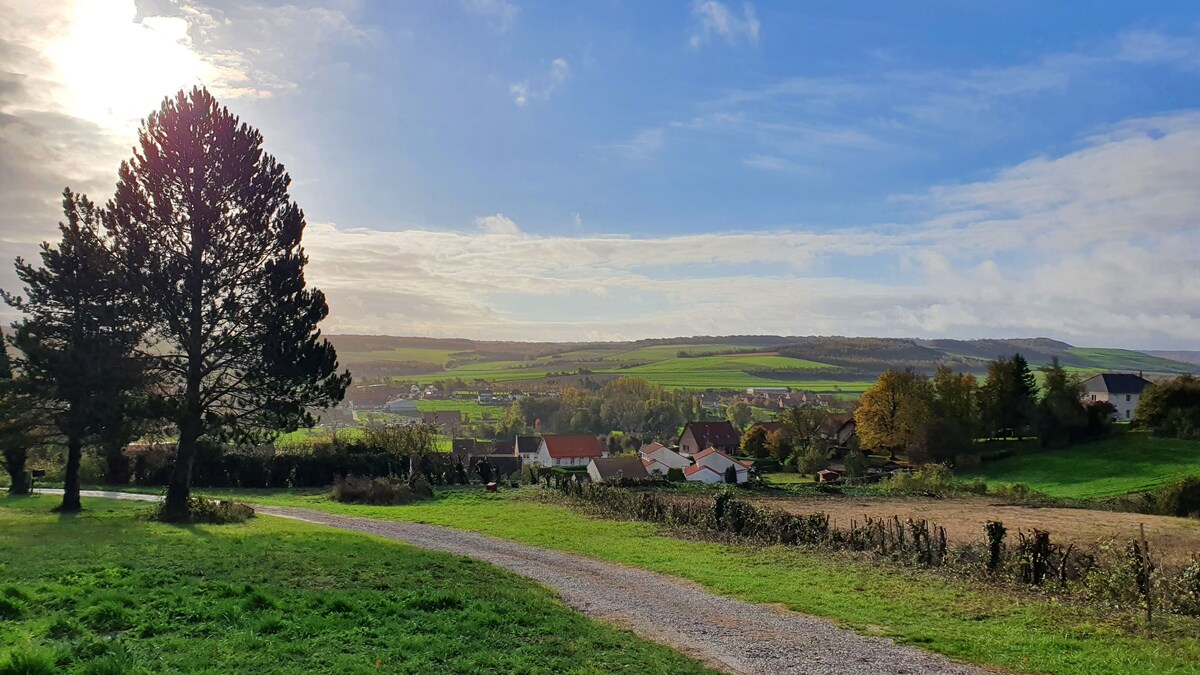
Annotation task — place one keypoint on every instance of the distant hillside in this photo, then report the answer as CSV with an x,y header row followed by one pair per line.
x,y
1192,357
832,364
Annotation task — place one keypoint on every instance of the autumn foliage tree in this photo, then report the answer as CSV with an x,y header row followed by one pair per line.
x,y
892,414
205,227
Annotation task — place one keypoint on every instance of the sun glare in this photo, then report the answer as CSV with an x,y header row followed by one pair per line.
x,y
116,68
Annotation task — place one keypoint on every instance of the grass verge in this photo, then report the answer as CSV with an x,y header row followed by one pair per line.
x,y
108,592
955,617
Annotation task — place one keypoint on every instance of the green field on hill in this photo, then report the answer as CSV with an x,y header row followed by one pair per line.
x,y
107,591
1126,463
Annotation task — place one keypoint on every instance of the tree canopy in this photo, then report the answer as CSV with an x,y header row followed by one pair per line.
x,y
204,225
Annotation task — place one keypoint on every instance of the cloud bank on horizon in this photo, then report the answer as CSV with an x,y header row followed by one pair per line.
x,y
533,171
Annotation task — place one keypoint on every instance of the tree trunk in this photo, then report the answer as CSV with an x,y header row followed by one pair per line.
x,y
116,465
70,502
14,462
179,490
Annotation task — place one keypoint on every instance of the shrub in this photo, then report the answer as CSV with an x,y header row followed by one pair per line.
x,y
380,491
206,511
106,617
11,608
1020,492
1181,498
675,475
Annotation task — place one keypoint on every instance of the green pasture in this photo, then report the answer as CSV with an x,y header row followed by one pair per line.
x,y
1126,463
1126,360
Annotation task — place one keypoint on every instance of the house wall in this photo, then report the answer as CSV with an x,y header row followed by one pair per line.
x,y
706,477
543,458
669,458
1126,404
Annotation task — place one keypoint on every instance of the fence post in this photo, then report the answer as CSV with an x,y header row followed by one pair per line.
x,y
1148,568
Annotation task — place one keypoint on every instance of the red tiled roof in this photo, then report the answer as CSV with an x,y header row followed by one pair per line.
x,y
694,468
562,446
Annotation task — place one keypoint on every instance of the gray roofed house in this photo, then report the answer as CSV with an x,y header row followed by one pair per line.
x,y
613,468
1123,390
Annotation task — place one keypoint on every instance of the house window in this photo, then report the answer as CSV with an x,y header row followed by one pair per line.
x,y
1127,411
1128,397
1093,397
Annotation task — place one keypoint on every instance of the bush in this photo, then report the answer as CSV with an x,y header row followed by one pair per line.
x,y
1181,498
206,511
1020,492
380,491
930,480
675,475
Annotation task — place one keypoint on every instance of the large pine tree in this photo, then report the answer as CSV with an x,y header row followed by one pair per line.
x,y
78,335
207,230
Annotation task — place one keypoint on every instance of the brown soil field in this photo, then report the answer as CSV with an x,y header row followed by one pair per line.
x,y
1174,541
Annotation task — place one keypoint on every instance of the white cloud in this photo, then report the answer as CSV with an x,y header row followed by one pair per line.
x,y
1097,246
523,92
497,224
499,13
715,18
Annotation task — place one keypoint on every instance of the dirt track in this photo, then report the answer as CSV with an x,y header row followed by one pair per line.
x,y
728,634
1177,540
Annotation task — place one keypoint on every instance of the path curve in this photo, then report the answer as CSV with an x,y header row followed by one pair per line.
x,y
729,634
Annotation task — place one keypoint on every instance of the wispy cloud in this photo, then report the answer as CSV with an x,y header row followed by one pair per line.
x,y
643,145
1094,246
499,13
715,19
523,92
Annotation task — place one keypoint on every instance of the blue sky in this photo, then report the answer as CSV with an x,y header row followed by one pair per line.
x,y
608,170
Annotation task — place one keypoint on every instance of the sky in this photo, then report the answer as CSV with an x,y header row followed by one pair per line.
x,y
620,169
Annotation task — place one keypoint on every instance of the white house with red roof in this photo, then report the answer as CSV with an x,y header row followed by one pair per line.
x,y
569,450
659,459
711,465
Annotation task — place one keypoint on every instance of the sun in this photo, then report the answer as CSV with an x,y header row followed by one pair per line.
x,y
116,67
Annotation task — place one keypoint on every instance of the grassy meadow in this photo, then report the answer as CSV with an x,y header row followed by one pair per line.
x,y
109,592
1125,463
1010,628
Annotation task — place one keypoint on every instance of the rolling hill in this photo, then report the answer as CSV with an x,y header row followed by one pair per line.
x,y
815,363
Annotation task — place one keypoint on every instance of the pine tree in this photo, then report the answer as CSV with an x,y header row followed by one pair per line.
x,y
206,228
18,420
78,336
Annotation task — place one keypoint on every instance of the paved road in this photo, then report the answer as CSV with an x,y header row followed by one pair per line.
x,y
728,634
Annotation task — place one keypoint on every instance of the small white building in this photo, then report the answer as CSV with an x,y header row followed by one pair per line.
x,y
1123,390
402,406
659,459
569,450
713,462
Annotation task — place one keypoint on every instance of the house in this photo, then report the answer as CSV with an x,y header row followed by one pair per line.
x,y
527,447
699,435
659,459
615,468
485,397
465,446
448,420
839,428
504,448
1123,390
703,474
569,450
402,406
719,462
766,391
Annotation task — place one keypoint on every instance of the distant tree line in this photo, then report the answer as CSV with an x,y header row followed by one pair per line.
x,y
937,419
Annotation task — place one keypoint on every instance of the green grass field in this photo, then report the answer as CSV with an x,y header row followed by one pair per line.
x,y
955,617
107,592
1130,462
1124,359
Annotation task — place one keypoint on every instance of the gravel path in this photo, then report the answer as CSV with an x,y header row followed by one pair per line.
x,y
728,634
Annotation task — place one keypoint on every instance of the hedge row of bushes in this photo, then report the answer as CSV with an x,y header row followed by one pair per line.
x,y
265,469
1117,576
